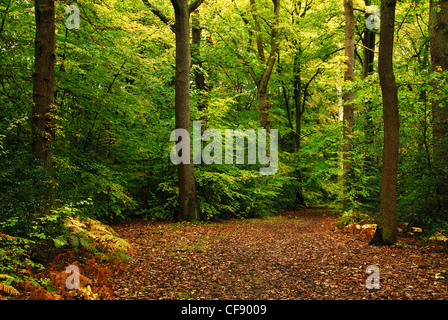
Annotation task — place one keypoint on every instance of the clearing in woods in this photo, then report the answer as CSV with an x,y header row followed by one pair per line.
x,y
294,255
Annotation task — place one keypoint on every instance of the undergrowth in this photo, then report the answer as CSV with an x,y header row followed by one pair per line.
x,y
30,266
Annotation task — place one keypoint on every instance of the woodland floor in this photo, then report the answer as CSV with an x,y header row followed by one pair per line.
x,y
295,255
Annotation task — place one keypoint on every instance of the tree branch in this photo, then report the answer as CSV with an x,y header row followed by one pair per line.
x,y
4,18
274,47
260,46
194,5
160,15
305,91
246,23
243,60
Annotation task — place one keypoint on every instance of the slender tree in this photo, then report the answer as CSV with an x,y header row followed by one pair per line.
x,y
263,82
386,232
369,48
439,60
348,97
189,208
199,78
268,62
43,85
369,42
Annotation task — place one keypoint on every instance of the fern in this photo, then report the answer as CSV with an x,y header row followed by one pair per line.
x,y
116,244
6,288
91,234
7,237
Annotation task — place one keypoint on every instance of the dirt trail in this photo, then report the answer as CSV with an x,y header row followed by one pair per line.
x,y
296,255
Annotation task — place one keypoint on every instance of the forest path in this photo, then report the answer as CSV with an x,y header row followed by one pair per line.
x,y
295,255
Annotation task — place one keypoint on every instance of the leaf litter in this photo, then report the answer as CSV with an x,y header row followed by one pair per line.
x,y
292,256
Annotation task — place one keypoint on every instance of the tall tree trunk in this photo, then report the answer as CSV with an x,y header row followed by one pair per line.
x,y
299,106
369,49
265,108
295,131
386,233
439,60
297,84
199,77
348,97
188,202
263,82
369,42
43,87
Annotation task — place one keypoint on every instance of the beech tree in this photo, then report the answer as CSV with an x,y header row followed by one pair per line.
x,y
43,85
386,232
348,97
439,60
262,81
199,77
369,42
189,208
266,58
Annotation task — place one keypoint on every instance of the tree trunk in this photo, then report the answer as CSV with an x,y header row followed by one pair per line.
x,y
369,49
348,97
297,84
262,83
43,83
188,202
369,43
299,111
439,61
264,106
199,78
386,233
43,88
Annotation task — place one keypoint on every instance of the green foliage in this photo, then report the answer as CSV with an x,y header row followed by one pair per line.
x,y
224,192
18,259
15,257
320,169
365,179
237,193
354,216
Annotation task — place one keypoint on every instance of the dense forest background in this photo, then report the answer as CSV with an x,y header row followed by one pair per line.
x,y
254,64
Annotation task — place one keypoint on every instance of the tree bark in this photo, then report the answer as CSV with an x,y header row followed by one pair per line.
x,y
386,233
263,82
199,77
43,84
297,84
438,21
369,49
264,106
369,42
189,208
348,97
